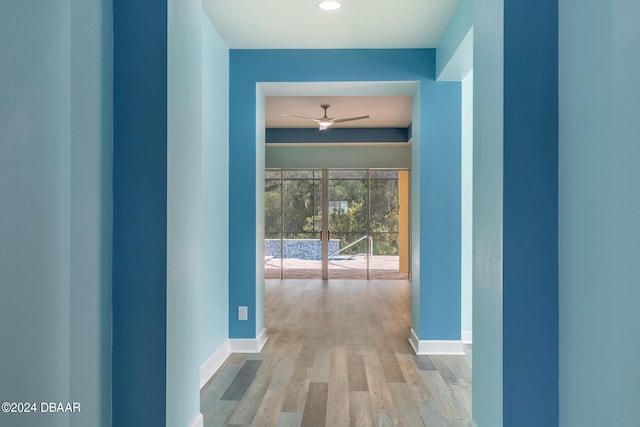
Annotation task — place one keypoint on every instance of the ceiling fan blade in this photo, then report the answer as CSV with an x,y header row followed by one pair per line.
x,y
302,117
349,118
325,122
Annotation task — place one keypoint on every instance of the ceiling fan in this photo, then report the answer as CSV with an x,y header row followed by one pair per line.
x,y
325,122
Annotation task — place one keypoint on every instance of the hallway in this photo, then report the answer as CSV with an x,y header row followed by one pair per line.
x,y
338,355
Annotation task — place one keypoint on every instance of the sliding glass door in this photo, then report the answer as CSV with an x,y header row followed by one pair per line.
x,y
293,222
388,224
348,224
349,245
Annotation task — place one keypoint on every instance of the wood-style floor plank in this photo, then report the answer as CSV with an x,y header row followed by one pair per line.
x,y
315,408
406,409
360,409
338,355
289,419
357,373
338,393
242,381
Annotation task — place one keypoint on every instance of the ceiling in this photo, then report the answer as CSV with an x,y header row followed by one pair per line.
x,y
384,111
300,24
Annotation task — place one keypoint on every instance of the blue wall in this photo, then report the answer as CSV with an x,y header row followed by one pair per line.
x,y
599,236
439,202
283,135
440,212
170,210
515,214
139,213
467,205
530,242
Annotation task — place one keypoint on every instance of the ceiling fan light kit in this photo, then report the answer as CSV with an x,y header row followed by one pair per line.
x,y
324,122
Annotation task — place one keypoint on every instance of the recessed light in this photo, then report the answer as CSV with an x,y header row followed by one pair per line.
x,y
329,5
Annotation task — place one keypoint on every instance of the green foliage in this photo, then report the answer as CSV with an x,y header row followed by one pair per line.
x,y
300,193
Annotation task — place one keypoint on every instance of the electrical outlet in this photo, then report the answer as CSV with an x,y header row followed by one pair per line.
x,y
243,312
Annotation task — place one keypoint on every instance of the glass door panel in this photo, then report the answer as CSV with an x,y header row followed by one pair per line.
x,y
301,212
367,219
386,217
273,224
347,213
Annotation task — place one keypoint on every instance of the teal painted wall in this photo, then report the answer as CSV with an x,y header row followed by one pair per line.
x,y
55,186
466,177
599,235
515,239
170,230
213,323
440,211
184,212
260,152
139,340
35,188
487,212
454,55
454,62
416,226
197,268
437,208
91,209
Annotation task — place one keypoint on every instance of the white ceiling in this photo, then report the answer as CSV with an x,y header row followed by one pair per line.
x,y
384,111
300,24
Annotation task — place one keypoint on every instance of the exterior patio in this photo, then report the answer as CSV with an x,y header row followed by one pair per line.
x,y
347,267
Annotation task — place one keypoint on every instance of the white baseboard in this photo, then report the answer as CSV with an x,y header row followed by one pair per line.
x,y
213,363
234,345
436,347
467,337
249,345
198,421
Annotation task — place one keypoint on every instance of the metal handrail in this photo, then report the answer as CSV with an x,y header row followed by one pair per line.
x,y
353,243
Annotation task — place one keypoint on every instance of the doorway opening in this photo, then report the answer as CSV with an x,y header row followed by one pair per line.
x,y
336,224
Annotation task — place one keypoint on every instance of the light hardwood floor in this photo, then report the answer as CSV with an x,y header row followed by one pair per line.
x,y
338,355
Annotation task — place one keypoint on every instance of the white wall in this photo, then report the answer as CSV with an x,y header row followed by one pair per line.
x,y
599,212
55,187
